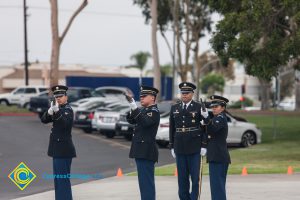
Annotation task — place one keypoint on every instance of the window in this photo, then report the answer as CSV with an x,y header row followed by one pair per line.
x,y
85,93
20,91
30,91
113,92
42,89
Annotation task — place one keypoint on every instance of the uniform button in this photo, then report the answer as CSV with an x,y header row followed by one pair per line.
x,y
182,121
58,140
183,126
183,116
142,140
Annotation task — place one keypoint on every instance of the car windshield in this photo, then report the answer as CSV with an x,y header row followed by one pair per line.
x,y
120,108
72,93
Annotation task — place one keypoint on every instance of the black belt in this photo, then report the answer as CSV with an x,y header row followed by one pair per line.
x,y
183,130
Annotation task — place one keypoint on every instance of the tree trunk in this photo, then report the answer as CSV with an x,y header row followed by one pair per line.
x,y
54,75
157,76
57,40
265,94
297,94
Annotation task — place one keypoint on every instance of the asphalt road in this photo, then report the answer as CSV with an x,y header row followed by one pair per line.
x,y
25,139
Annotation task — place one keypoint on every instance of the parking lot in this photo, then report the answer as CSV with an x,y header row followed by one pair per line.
x,y
25,139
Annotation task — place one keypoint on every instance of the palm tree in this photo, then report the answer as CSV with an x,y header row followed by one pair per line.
x,y
140,59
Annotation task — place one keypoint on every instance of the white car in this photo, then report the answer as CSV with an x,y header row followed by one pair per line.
x,y
105,121
21,95
92,102
287,105
112,92
239,132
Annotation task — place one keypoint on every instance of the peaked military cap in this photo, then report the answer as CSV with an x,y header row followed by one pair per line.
x,y
59,90
218,100
186,87
147,90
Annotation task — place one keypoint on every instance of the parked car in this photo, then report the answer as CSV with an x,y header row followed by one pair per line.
x,y
41,103
105,121
21,95
287,105
83,116
123,127
112,92
239,132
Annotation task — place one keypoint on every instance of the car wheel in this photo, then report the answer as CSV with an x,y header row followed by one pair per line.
x,y
26,106
163,144
248,139
110,134
128,137
4,102
40,115
87,130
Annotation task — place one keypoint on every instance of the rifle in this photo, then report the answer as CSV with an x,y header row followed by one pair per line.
x,y
203,108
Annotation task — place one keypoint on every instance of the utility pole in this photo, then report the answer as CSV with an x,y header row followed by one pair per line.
x,y
25,43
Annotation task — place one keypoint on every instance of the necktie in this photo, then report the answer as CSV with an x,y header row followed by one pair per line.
x,y
184,107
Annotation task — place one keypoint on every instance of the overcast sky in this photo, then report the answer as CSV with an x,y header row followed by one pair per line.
x,y
106,33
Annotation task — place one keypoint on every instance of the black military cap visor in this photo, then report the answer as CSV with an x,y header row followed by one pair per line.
x,y
59,94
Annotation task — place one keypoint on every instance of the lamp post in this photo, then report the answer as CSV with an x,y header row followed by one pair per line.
x,y
25,43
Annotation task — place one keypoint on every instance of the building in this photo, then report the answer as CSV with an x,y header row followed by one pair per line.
x,y
14,76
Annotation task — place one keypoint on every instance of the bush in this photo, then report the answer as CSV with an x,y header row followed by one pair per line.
x,y
238,104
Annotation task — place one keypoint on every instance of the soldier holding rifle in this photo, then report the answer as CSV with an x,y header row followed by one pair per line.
x,y
143,147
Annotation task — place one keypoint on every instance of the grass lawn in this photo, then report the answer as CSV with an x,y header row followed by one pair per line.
x,y
12,109
273,155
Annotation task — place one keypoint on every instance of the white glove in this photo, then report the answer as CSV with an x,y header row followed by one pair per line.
x,y
133,105
50,111
204,113
55,107
202,122
173,153
203,151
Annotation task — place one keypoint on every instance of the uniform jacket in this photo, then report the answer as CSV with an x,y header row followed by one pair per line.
x,y
190,141
146,122
60,143
217,129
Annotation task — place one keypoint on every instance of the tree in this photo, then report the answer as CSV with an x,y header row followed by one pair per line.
x,y
140,59
212,83
263,35
210,62
189,19
57,40
157,76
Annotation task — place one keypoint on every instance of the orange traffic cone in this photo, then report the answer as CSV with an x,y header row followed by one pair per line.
x,y
290,170
119,173
175,172
244,171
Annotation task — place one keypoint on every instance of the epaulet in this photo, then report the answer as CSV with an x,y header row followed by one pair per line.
x,y
68,107
154,109
220,115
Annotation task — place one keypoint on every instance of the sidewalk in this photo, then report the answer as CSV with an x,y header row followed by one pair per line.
x,y
256,187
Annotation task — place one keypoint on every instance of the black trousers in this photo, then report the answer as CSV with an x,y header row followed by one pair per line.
x,y
62,184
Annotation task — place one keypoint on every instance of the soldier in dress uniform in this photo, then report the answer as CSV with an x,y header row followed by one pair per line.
x,y
143,147
187,141
217,153
61,147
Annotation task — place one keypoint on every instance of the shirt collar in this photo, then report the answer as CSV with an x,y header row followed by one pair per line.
x,y
187,104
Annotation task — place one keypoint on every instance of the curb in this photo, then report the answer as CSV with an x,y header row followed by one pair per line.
x,y
18,114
